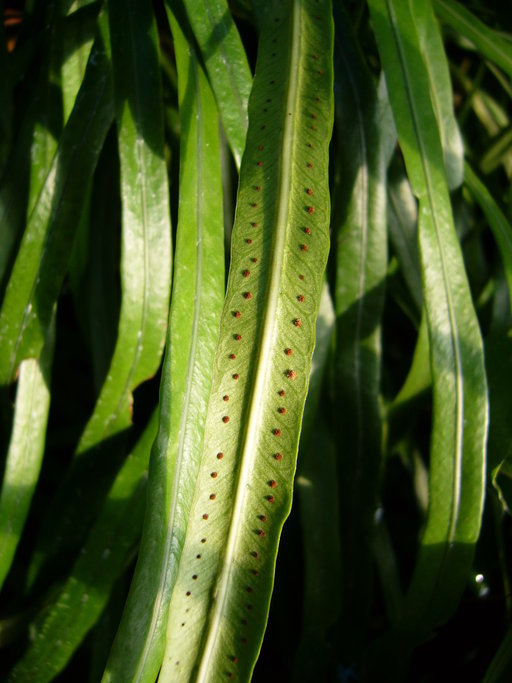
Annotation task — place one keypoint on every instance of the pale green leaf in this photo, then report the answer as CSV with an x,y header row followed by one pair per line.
x,y
220,602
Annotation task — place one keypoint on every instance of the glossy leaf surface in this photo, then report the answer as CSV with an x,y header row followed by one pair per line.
x,y
220,602
226,64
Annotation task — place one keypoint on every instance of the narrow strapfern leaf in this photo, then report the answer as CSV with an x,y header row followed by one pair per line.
x,y
197,298
460,408
145,275
84,594
146,239
220,602
436,63
227,66
26,448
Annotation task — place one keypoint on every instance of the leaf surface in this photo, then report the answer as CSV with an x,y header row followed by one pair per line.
x,y
146,230
85,592
436,64
26,448
227,66
457,465
43,256
198,294
280,241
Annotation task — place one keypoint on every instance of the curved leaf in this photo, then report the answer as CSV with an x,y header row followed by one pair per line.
x,y
436,64
146,239
145,278
197,299
280,241
227,66
457,465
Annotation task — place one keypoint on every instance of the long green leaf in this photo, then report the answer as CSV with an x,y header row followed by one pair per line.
x,y
227,66
359,298
488,42
280,241
436,63
34,147
145,278
44,252
198,294
146,239
26,449
457,464
84,594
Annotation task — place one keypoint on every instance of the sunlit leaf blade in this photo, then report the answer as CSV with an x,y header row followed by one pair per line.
x,y
227,66
493,46
44,252
26,448
77,32
500,226
436,63
317,490
197,299
86,590
361,263
457,463
280,242
146,238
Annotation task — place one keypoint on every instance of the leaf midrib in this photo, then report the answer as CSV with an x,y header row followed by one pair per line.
x,y
454,511
264,348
